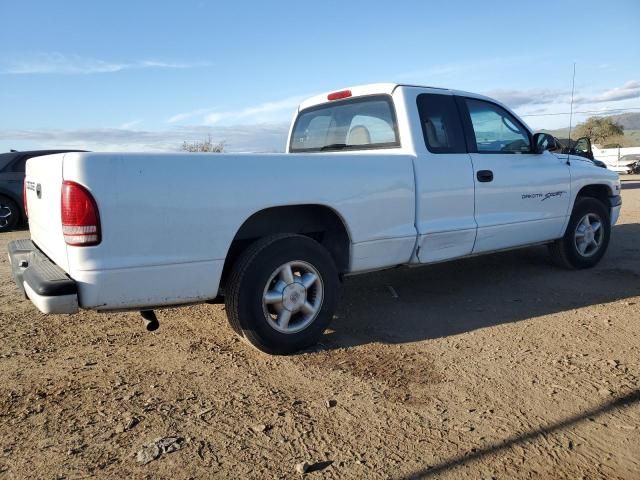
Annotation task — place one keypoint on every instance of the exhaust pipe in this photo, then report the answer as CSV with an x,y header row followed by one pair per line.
x,y
150,320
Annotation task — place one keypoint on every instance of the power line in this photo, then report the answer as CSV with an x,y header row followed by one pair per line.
x,y
585,111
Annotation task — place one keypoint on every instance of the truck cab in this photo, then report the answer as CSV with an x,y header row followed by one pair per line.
x,y
481,182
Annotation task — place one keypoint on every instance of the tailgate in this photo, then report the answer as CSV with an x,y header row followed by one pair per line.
x,y
43,190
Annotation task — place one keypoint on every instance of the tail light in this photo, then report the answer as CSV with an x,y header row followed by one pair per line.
x,y
24,197
80,217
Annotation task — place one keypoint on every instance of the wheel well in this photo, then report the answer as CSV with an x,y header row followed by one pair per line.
x,y
599,192
315,221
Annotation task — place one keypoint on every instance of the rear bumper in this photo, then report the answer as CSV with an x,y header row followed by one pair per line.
x,y
43,282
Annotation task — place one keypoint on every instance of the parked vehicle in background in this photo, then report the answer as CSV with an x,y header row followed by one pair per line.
x,y
624,160
12,171
631,162
374,177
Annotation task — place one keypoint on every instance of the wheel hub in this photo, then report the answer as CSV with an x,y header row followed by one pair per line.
x,y
293,296
589,234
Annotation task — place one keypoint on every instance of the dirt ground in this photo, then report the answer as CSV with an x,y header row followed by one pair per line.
x,y
496,367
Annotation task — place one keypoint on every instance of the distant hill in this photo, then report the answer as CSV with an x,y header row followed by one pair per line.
x,y
558,132
629,121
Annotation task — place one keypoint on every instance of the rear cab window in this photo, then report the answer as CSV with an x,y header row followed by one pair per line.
x,y
360,123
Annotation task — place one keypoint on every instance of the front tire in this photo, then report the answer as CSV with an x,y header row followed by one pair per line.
x,y
282,293
9,214
587,236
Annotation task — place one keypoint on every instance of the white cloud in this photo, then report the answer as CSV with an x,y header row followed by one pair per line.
x,y
518,98
130,125
242,138
59,63
267,112
263,112
629,90
179,117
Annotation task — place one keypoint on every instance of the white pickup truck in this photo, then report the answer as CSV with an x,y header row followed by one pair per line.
x,y
374,177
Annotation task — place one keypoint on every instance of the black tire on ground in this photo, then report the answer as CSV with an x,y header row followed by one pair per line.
x,y
9,214
255,270
565,251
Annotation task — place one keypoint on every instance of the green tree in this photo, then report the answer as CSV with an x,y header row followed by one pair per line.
x,y
206,145
599,129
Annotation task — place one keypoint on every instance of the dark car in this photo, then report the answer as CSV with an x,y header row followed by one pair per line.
x,y
12,165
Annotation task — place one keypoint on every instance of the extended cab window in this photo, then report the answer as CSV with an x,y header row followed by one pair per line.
x,y
496,130
354,124
441,125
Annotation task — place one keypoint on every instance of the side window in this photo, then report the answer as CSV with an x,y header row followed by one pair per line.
x,y
19,165
441,125
496,130
6,162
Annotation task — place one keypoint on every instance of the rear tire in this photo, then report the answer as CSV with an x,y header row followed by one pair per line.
x,y
282,293
587,236
9,214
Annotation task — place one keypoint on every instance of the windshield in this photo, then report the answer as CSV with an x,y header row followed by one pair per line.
x,y
354,124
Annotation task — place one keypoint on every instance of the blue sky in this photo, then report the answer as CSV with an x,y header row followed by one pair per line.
x,y
143,75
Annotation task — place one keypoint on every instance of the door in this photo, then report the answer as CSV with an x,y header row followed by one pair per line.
x,y
520,197
444,181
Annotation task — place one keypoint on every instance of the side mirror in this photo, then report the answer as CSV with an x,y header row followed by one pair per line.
x,y
544,141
